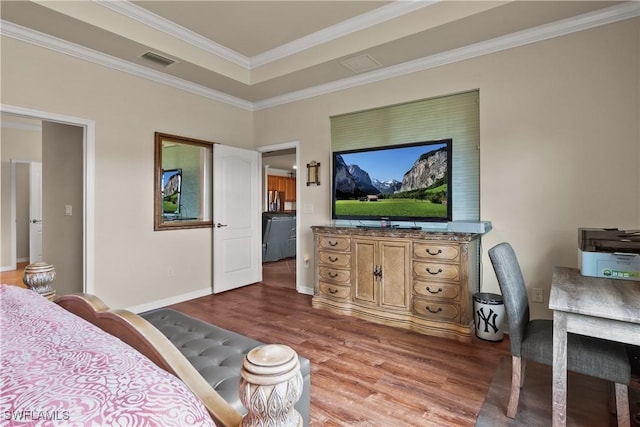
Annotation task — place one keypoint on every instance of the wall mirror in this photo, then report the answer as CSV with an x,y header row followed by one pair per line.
x,y
183,182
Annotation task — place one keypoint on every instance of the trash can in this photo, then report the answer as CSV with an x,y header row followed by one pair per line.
x,y
488,311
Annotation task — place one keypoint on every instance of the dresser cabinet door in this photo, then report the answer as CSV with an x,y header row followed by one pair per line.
x,y
395,273
382,273
364,283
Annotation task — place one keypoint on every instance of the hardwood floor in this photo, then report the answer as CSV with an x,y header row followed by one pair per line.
x,y
363,374
14,277
280,273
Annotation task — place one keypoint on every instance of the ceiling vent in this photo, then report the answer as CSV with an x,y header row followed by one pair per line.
x,y
157,59
360,64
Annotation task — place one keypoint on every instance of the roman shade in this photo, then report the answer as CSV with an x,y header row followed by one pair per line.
x,y
453,116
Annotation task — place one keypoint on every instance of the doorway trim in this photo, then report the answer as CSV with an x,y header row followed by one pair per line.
x,y
285,146
88,185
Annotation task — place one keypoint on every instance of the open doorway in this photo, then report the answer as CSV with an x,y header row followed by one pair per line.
x,y
279,215
66,146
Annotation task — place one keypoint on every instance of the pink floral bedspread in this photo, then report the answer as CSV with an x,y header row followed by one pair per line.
x,y
58,369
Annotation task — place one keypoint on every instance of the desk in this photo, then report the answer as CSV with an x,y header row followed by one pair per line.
x,y
593,306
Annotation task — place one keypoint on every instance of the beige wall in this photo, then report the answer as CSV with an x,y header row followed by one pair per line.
x,y
131,260
559,135
20,140
62,170
560,149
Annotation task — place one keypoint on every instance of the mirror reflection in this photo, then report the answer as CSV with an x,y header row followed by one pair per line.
x,y
183,177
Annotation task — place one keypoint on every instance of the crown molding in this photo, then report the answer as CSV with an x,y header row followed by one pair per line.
x,y
159,23
586,21
361,22
47,41
543,32
355,24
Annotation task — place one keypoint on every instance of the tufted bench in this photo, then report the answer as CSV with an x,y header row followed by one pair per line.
x,y
217,354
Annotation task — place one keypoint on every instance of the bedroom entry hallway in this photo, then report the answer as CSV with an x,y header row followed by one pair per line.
x,y
58,144
281,161
280,273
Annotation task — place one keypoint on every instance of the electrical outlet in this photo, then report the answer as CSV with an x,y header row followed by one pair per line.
x,y
171,272
537,295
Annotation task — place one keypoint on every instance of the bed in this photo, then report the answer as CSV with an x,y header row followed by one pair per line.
x,y
76,362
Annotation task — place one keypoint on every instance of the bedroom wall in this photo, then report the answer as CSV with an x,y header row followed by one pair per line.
x,y
131,260
559,142
560,149
62,184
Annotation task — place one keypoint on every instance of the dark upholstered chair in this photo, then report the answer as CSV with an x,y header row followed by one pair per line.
x,y
533,339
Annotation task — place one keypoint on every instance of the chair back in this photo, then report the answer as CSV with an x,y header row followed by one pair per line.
x,y
514,292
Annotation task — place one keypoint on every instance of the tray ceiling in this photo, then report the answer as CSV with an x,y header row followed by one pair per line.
x,y
260,53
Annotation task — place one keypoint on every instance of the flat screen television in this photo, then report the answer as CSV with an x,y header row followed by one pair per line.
x,y
409,182
171,189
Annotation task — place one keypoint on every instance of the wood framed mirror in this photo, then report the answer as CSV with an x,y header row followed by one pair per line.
x,y
182,183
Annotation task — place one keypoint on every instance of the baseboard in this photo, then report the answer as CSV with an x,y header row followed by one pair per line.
x,y
7,268
23,259
305,290
169,301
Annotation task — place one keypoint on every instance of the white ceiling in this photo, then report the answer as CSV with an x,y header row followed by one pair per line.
x,y
256,54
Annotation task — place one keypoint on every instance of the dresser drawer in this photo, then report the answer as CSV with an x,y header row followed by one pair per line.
x,y
335,276
439,252
336,259
436,310
436,290
436,271
334,291
335,243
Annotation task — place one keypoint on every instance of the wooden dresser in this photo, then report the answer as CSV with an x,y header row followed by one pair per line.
x,y
412,279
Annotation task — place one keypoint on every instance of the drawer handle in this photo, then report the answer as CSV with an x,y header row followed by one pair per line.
x,y
333,275
434,253
333,243
434,292
333,259
434,311
434,273
333,291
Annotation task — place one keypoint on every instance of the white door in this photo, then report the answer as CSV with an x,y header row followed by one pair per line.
x,y
237,256
35,212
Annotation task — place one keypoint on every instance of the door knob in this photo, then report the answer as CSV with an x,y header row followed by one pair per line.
x,y
218,225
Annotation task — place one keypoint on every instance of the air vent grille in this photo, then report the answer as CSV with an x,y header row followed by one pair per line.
x,y
157,59
360,64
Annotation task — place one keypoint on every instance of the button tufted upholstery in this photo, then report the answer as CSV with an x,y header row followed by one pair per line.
x,y
217,354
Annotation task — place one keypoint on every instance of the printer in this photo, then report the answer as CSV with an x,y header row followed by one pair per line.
x,y
610,253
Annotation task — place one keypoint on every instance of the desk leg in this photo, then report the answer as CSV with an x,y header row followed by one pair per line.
x,y
559,406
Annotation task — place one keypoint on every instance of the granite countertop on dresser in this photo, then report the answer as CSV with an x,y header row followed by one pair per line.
x,y
391,232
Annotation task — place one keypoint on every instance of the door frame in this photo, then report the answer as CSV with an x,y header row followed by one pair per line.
x,y
88,185
286,146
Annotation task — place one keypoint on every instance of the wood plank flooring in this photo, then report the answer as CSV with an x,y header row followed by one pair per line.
x,y
363,374
14,277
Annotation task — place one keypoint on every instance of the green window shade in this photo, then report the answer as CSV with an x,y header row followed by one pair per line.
x,y
453,116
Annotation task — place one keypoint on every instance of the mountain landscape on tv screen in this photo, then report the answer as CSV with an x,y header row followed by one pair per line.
x,y
428,171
